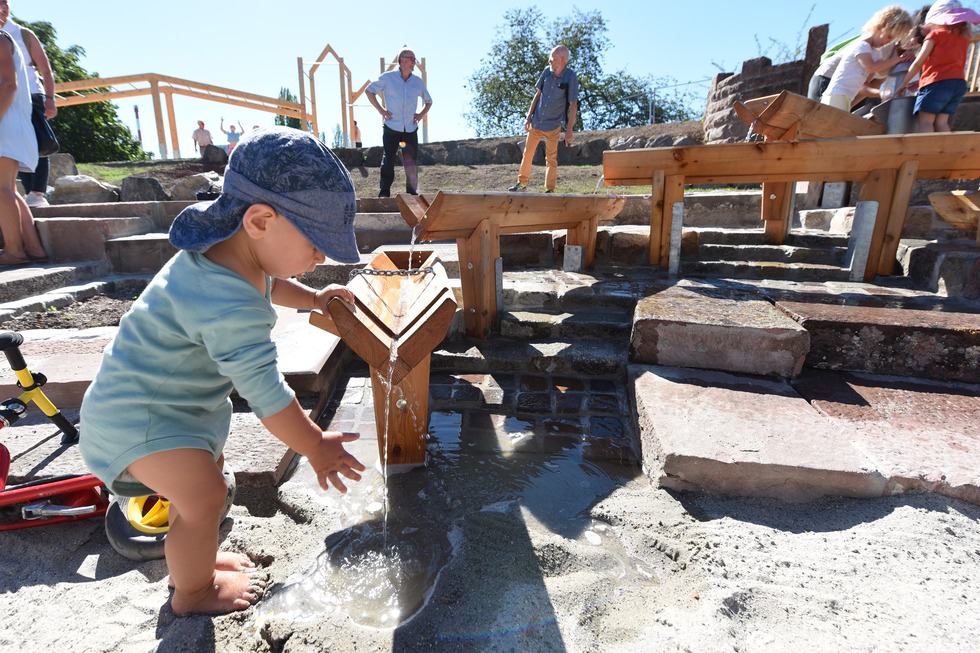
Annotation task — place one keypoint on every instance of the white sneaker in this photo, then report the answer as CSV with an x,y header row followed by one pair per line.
x,y
34,199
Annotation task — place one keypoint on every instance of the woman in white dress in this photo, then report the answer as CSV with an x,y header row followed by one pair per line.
x,y
18,151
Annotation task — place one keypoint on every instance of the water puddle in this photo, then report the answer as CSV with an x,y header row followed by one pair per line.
x,y
384,561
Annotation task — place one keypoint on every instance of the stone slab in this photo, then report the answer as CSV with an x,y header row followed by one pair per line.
x,y
904,342
688,327
920,434
69,358
742,436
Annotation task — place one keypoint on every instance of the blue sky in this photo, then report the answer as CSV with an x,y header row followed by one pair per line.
x,y
254,46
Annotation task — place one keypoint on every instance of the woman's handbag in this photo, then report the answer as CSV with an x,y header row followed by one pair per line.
x,y
47,142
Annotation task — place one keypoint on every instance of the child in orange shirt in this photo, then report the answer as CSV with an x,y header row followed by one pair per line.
x,y
942,62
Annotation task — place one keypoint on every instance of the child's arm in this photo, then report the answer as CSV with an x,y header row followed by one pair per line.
x,y
324,450
871,66
293,294
916,66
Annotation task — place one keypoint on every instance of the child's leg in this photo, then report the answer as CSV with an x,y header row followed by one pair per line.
x,y
925,122
942,122
192,481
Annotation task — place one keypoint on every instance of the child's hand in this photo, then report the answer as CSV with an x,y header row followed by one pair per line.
x,y
334,290
330,460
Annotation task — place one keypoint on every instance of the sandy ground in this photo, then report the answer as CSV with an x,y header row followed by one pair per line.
x,y
529,555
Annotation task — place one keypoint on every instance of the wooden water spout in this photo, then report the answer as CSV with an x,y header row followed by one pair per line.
x,y
399,316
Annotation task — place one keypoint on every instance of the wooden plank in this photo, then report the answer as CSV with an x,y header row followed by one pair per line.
x,y
791,115
904,180
673,193
940,156
478,282
656,216
879,187
959,208
775,210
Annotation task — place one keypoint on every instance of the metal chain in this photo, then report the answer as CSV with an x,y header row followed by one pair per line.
x,y
390,273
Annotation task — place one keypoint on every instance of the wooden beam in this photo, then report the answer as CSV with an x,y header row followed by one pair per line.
x,y
940,156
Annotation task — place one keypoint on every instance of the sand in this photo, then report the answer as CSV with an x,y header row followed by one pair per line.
x,y
640,569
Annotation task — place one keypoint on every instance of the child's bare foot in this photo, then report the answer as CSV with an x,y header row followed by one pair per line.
x,y
228,561
229,591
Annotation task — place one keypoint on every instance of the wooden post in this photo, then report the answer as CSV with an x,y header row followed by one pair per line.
x,y
158,115
657,209
904,181
878,187
173,121
775,210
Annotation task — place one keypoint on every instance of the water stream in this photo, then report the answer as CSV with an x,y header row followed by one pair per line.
x,y
380,569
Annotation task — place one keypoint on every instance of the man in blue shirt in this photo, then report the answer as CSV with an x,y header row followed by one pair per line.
x,y
557,92
402,91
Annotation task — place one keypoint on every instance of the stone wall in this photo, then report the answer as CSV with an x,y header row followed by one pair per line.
x,y
758,77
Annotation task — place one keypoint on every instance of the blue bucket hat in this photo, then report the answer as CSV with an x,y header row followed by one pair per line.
x,y
292,172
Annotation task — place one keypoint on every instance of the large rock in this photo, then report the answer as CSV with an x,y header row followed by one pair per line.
x,y
82,189
214,154
143,189
188,187
62,165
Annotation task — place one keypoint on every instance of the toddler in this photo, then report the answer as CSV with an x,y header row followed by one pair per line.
x,y
157,415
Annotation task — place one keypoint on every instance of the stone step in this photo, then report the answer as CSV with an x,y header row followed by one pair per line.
x,y
580,357
83,238
718,330
781,253
19,286
143,253
595,322
796,238
825,434
902,342
765,270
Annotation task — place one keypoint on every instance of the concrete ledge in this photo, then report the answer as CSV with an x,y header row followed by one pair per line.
x,y
690,327
83,239
903,342
139,254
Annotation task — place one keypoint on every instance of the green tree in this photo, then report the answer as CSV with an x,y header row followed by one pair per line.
x,y
89,132
503,85
282,120
338,137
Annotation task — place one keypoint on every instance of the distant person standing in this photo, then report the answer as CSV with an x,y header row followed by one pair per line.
x,y
201,138
402,91
356,136
555,103
40,79
232,135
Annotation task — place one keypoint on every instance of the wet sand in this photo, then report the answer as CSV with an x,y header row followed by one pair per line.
x,y
531,550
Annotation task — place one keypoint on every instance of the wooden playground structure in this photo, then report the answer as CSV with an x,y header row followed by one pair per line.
x,y
162,88
402,310
477,220
887,166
